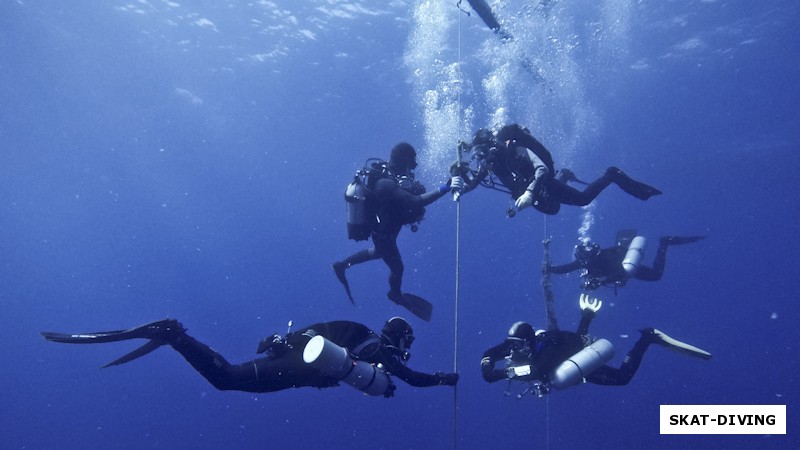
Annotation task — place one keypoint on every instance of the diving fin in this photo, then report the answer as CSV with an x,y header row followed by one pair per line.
x,y
163,330
99,337
416,305
160,332
678,240
635,188
338,269
138,353
660,338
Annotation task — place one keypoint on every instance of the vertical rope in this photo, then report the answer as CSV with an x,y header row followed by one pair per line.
x,y
458,251
455,328
549,309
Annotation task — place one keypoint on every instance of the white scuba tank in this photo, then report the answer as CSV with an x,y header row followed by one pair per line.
x,y
335,362
580,365
634,255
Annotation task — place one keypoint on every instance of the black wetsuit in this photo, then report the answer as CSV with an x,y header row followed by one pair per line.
x,y
289,370
397,206
525,164
605,268
553,347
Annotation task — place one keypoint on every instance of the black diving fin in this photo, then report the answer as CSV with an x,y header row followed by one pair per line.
x,y
138,353
416,305
159,333
160,329
661,338
338,269
635,188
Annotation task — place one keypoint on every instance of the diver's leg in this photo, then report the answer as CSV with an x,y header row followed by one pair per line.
x,y
393,260
629,185
214,368
570,196
610,376
359,257
362,256
654,274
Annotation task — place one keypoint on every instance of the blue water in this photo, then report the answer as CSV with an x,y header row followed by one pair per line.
x,y
188,159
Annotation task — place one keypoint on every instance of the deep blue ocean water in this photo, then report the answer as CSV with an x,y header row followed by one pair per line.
x,y
188,160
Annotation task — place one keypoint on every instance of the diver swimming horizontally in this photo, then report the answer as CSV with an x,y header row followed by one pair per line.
x,y
513,161
614,266
552,358
320,355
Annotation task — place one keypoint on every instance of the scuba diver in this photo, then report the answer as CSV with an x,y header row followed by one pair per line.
x,y
614,266
378,207
517,161
320,355
561,359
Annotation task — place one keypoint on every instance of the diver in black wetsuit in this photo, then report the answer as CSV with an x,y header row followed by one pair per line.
x,y
525,168
608,267
400,200
283,366
538,357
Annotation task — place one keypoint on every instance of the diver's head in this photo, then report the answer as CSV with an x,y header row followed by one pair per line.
x,y
521,337
398,333
483,142
403,158
586,250
521,331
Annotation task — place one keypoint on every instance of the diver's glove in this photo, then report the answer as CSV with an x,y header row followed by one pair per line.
x,y
589,305
389,391
274,346
456,185
524,200
447,379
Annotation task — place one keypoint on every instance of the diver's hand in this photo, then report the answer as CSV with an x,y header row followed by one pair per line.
x,y
274,346
589,304
447,379
389,391
524,200
456,185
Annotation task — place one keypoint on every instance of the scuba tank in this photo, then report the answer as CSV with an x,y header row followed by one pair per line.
x,y
361,218
335,362
634,255
578,366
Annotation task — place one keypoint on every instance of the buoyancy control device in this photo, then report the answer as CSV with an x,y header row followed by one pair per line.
x,y
362,205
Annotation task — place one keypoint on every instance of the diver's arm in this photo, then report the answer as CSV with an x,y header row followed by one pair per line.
x,y
540,170
538,154
589,307
471,183
564,268
586,320
489,361
413,378
387,188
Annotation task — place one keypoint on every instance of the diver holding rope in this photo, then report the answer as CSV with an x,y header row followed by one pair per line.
x,y
514,162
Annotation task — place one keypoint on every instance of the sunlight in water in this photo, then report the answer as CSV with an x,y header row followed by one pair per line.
x,y
532,79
